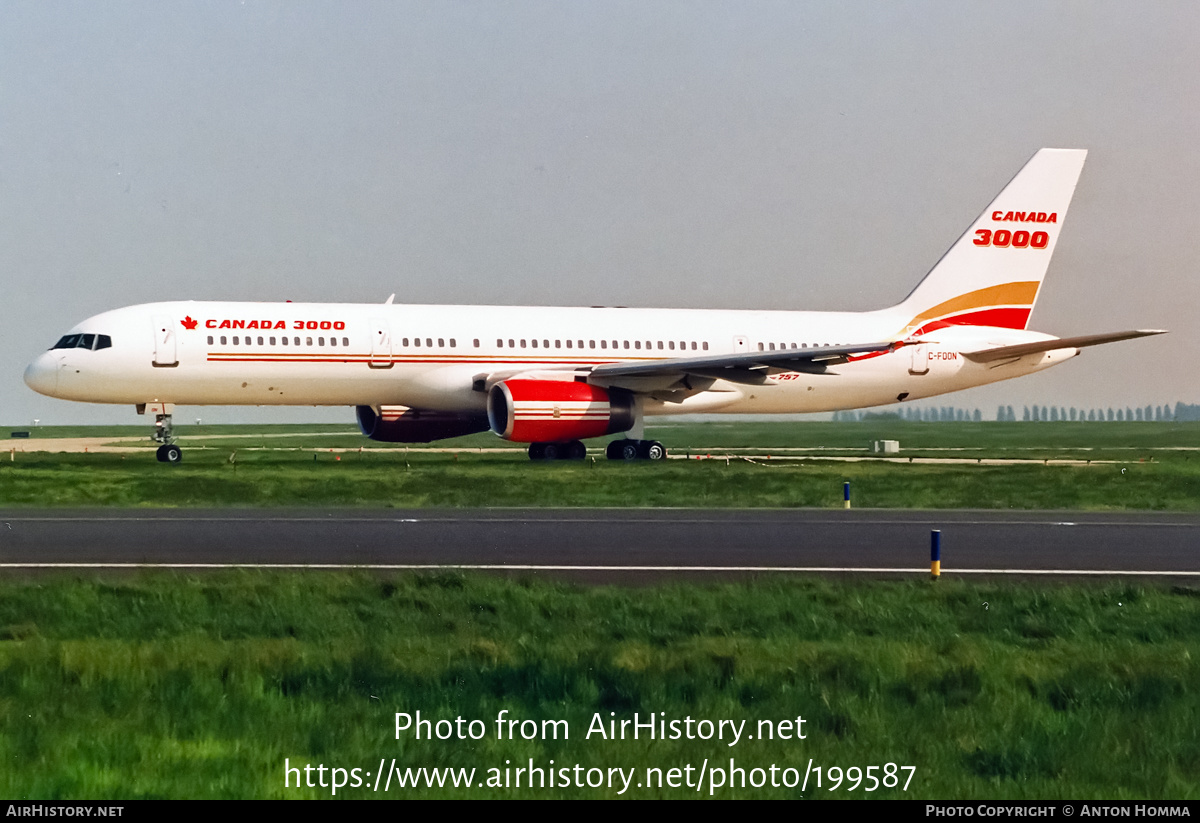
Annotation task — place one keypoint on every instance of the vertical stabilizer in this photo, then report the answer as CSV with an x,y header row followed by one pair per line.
x,y
992,275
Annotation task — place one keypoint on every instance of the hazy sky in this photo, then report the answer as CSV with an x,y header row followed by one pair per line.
x,y
793,155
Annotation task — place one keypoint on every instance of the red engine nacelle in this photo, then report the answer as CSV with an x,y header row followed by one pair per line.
x,y
400,424
555,411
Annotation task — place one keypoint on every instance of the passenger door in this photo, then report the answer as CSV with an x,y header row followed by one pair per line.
x,y
381,344
164,342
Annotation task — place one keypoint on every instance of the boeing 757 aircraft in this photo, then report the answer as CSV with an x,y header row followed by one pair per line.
x,y
552,377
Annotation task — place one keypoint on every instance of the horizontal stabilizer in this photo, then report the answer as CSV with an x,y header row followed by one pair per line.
x,y
1021,349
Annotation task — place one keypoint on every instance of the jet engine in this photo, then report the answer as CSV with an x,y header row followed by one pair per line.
x,y
400,424
554,411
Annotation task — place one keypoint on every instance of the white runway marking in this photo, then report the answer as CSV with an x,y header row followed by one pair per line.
x,y
932,520
531,567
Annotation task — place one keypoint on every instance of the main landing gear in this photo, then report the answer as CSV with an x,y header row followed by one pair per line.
x,y
617,450
636,450
571,450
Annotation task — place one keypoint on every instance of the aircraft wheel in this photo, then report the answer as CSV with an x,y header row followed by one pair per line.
x,y
575,450
630,449
169,454
537,451
552,451
613,451
653,450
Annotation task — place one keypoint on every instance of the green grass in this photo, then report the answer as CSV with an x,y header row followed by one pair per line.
x,y
1008,439
163,686
389,478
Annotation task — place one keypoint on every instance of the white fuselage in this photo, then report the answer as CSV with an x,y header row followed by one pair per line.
x,y
439,357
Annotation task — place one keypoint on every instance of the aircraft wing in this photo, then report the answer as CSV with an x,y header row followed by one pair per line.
x,y
742,367
1021,349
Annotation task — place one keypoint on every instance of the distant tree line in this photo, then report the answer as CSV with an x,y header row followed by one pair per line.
x,y
931,414
1146,414
1181,412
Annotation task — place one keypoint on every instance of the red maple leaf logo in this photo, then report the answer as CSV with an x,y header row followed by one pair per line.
x,y
188,323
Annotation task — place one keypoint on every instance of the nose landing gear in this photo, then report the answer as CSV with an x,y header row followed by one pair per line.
x,y
169,453
164,431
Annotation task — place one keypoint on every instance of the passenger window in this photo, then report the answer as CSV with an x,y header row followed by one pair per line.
x,y
223,340
441,342
345,341
210,340
510,343
307,341
705,346
558,344
283,340
626,343
660,344
452,343
534,344
545,344
522,344
429,342
333,341
671,345
320,341
272,340
235,341
604,344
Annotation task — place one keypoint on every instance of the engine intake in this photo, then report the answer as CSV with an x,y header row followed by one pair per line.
x,y
400,424
553,411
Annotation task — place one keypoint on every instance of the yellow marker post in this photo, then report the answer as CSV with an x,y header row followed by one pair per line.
x,y
935,553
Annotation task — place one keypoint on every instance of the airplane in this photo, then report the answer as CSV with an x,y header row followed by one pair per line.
x,y
554,377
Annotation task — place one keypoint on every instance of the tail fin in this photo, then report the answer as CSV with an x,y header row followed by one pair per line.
x,y
992,275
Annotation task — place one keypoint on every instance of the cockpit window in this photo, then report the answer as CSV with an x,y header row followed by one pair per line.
x,y
84,341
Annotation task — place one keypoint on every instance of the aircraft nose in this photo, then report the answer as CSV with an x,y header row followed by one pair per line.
x,y
42,374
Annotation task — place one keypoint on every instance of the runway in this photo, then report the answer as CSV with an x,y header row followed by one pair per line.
x,y
608,544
